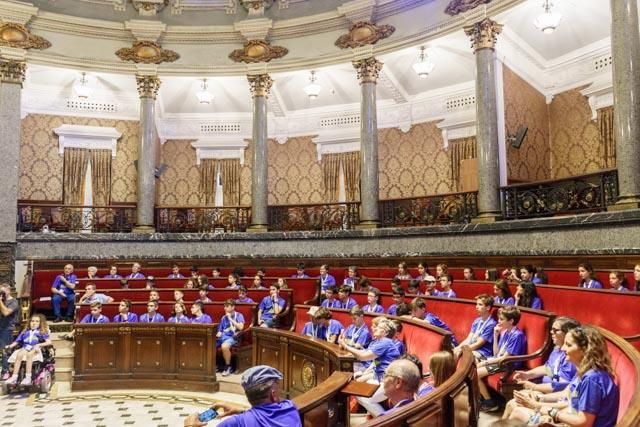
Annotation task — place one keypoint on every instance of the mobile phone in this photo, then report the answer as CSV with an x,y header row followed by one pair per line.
x,y
207,415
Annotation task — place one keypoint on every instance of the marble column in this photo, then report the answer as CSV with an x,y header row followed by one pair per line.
x,y
483,36
368,70
260,85
147,152
625,54
12,74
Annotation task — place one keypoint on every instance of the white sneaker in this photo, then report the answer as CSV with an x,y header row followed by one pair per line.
x,y
227,371
12,380
26,381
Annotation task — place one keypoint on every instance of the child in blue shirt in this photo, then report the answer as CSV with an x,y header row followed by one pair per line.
x,y
312,328
270,307
344,295
398,298
372,299
419,311
445,284
332,328
242,296
31,340
480,338
331,301
178,315
124,315
152,316
198,315
230,324
96,315
357,334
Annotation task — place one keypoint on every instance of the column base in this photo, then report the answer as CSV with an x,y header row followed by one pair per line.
x,y
486,218
625,204
144,229
367,225
257,228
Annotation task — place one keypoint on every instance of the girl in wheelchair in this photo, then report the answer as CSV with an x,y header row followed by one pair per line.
x,y
31,340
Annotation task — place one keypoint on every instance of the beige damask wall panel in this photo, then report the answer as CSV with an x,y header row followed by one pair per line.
x,y
245,176
41,166
413,164
180,183
525,106
575,138
295,175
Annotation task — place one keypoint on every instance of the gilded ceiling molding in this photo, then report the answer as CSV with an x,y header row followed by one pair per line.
x,y
483,34
364,33
460,6
12,71
259,84
148,86
368,69
257,51
149,7
19,36
256,7
147,52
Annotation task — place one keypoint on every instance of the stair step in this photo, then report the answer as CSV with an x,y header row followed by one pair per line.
x,y
63,374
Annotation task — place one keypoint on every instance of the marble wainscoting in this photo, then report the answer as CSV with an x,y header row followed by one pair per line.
x,y
605,233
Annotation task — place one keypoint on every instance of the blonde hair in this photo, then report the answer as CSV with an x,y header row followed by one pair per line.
x,y
596,356
44,326
442,365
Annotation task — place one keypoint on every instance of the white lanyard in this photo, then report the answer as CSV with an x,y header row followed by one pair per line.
x,y
476,332
504,345
356,334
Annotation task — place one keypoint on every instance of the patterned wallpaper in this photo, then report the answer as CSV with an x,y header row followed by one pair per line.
x,y
413,164
575,138
179,185
525,106
41,166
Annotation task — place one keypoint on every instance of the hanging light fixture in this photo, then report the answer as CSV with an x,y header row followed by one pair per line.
x,y
548,21
82,88
312,89
203,95
424,66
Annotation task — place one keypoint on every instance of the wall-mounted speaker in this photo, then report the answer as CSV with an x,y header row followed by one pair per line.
x,y
516,141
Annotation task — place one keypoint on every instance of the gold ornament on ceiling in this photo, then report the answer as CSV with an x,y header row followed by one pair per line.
x,y
258,51
149,7
364,33
460,6
17,35
147,52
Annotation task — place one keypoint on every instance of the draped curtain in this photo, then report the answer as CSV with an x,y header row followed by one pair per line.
x,y
351,167
229,170
76,161
331,175
208,180
101,177
607,137
461,149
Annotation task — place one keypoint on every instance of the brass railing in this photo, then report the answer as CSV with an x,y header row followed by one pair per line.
x,y
429,210
576,194
202,219
327,216
89,219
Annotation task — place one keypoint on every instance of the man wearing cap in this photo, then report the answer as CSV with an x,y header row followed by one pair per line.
x,y
260,385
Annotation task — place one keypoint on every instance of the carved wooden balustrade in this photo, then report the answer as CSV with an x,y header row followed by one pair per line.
x,y
576,194
429,210
191,219
34,216
326,216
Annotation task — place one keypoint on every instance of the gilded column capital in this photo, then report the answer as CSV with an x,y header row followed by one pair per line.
x,y
483,34
148,86
12,71
368,69
260,84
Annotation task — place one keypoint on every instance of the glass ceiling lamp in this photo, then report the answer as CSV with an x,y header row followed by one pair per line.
x,y
424,66
312,89
548,21
203,95
82,88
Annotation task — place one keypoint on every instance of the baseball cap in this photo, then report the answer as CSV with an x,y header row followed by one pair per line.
x,y
259,375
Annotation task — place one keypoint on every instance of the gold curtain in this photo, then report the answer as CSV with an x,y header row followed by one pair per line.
x,y
76,161
607,136
351,167
331,176
208,180
461,149
230,175
101,177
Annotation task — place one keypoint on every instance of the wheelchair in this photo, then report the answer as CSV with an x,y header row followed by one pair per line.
x,y
42,373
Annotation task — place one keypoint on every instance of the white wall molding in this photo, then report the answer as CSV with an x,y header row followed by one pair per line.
x,y
90,137
457,126
599,94
337,142
220,148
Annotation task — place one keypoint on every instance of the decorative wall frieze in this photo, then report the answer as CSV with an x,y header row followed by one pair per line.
x,y
260,84
220,148
257,51
148,86
20,13
364,33
368,69
12,71
16,35
456,7
254,29
388,80
146,30
483,34
90,137
147,52
149,7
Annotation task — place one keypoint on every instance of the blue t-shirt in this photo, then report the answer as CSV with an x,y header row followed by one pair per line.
x,y
245,300
483,329
57,283
349,304
179,319
157,318
203,319
331,303
267,307
131,318
434,320
513,342
504,301
591,284
377,308
226,327
597,394
334,328
424,389
386,352
314,331
392,310
282,414
28,339
326,281
536,303
101,298
90,319
358,335
446,294
399,345
560,371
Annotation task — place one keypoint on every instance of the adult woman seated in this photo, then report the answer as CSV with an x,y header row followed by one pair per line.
x,y
556,373
590,400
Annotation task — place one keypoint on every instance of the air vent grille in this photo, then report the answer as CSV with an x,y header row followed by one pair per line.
x,y
460,102
341,121
91,106
207,128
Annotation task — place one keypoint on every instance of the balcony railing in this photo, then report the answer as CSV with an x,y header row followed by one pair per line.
x,y
576,194
327,216
202,219
430,210
78,219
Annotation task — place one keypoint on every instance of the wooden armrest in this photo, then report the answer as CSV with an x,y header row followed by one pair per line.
x,y
357,388
322,392
509,360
